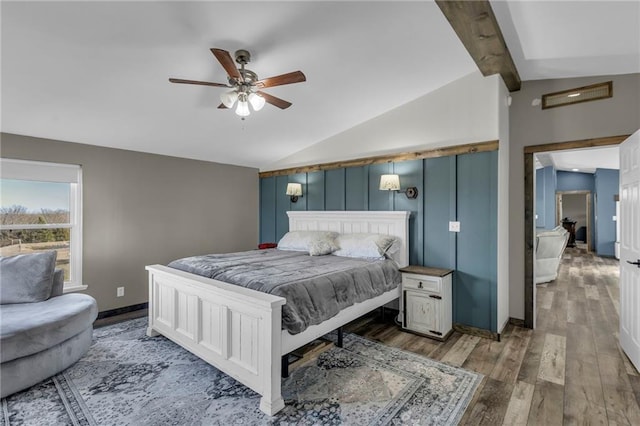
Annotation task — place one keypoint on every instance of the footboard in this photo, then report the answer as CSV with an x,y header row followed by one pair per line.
x,y
235,329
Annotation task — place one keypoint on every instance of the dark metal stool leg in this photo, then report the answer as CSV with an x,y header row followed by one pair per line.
x,y
339,344
285,366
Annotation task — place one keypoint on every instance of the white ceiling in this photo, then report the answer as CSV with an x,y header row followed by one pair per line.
x,y
562,39
96,72
582,160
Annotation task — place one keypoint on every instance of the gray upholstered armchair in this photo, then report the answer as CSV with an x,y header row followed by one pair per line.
x,y
42,330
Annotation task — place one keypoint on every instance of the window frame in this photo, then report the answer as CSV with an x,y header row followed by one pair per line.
x,y
42,171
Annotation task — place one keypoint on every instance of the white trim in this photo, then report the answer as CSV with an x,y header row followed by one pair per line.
x,y
71,289
75,216
36,226
41,171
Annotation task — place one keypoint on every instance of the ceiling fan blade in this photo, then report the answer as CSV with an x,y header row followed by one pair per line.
x,y
227,63
279,80
202,83
221,106
280,103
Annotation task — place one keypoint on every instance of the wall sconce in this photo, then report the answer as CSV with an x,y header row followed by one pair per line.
x,y
295,191
392,183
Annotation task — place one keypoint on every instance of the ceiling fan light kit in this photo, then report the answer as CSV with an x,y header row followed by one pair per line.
x,y
245,85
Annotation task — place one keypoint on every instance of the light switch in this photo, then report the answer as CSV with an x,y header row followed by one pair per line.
x,y
454,226
615,218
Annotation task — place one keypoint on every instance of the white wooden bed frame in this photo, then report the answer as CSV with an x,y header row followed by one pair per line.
x,y
238,330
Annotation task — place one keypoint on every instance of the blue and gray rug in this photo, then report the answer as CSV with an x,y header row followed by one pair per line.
x,y
127,378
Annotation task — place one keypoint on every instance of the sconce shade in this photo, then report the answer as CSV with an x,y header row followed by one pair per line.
x,y
294,189
389,183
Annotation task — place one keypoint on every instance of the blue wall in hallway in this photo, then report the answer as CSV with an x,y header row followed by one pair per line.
x,y
607,183
546,197
574,181
460,188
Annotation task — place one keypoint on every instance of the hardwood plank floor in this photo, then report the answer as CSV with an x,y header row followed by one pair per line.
x,y
569,370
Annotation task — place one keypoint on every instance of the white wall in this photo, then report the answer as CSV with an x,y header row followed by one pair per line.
x,y
454,114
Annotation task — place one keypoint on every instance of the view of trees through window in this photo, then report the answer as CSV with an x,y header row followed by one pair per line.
x,y
28,237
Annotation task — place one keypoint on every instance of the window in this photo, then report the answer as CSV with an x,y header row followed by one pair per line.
x,y
41,209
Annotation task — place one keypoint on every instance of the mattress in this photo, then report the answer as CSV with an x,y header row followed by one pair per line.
x,y
316,287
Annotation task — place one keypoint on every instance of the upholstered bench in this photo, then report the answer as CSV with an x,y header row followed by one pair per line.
x,y
42,331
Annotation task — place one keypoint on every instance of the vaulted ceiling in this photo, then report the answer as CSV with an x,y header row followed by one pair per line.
x,y
97,72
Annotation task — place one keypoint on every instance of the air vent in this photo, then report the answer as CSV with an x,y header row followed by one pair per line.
x,y
577,95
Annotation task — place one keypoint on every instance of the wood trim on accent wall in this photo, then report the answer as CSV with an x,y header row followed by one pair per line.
x,y
529,217
477,28
390,158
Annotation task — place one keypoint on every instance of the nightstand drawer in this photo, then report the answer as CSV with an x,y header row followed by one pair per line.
x,y
422,282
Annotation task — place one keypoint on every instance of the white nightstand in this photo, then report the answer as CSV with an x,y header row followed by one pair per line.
x,y
425,302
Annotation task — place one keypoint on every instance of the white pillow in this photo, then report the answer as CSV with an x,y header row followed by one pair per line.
x,y
366,246
316,243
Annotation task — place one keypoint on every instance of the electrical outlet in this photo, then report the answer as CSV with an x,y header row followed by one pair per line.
x,y
120,292
454,226
615,218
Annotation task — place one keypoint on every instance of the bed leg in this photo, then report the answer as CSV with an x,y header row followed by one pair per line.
x,y
339,344
151,332
285,366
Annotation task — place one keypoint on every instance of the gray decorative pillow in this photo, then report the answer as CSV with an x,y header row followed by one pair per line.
x,y
303,241
321,247
26,278
367,246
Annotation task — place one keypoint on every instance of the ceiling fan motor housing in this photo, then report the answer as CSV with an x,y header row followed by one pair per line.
x,y
243,57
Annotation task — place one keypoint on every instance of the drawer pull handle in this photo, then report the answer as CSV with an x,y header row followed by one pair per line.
x,y
433,296
420,284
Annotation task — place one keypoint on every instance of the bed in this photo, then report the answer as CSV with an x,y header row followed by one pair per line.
x,y
239,330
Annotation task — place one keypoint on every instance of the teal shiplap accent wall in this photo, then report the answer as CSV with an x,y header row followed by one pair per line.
x,y
476,262
607,185
451,188
334,193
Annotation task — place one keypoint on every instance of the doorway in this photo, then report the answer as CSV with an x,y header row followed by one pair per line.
x,y
529,212
575,206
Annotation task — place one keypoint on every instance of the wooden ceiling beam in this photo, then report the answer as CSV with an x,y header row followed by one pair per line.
x,y
477,27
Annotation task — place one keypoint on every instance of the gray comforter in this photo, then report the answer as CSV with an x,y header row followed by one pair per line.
x,y
316,287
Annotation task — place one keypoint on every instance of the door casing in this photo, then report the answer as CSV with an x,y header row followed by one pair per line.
x,y
529,205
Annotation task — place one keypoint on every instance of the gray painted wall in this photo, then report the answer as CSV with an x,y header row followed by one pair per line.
x,y
141,209
532,126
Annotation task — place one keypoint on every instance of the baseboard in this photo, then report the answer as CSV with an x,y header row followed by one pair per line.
x,y
123,310
474,331
517,322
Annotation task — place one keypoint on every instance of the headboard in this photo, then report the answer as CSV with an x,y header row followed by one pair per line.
x,y
394,223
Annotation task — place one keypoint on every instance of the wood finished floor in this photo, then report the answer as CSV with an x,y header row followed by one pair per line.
x,y
569,370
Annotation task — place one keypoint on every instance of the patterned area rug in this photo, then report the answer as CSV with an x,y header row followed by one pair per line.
x,y
127,378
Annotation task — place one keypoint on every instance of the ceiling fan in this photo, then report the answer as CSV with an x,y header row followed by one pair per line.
x,y
245,85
